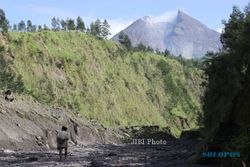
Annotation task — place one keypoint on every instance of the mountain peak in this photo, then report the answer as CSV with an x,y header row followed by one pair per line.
x,y
146,17
180,34
179,11
182,14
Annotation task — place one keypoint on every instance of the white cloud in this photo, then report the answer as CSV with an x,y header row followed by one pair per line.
x,y
165,17
220,30
117,25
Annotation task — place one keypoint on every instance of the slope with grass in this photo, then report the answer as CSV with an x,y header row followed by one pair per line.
x,y
102,80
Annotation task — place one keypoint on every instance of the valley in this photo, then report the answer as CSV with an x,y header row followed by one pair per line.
x,y
165,91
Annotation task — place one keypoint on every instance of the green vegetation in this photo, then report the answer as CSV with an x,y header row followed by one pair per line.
x,y
103,81
125,41
226,103
97,28
8,78
3,22
80,26
21,26
55,24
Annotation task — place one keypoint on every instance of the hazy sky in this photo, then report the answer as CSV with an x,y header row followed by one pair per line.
x,y
119,13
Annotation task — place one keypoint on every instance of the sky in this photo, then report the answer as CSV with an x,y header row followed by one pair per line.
x,y
119,13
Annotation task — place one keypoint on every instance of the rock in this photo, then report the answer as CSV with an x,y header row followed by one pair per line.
x,y
72,143
112,154
50,138
184,151
59,64
136,128
126,134
190,134
151,128
30,159
38,137
3,111
8,95
9,151
39,143
96,163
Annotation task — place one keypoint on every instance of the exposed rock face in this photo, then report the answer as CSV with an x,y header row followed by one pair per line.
x,y
183,35
31,126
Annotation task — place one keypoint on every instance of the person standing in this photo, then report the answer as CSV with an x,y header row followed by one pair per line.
x,y
62,142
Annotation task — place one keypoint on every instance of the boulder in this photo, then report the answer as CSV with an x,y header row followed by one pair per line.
x,y
8,96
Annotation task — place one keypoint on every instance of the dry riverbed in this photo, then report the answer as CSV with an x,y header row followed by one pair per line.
x,y
173,153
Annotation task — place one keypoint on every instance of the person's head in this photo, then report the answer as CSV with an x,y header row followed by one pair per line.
x,y
64,128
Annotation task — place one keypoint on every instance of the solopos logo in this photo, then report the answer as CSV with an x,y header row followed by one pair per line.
x,y
221,154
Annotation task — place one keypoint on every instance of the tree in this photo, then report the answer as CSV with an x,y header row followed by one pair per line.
x,y
166,52
150,49
14,27
8,25
141,47
71,24
45,27
64,25
157,50
226,101
29,26
3,21
95,28
55,24
124,40
21,26
105,29
40,28
92,29
80,26
34,27
231,36
98,27
88,30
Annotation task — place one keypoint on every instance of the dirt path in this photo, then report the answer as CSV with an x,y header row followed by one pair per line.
x,y
174,153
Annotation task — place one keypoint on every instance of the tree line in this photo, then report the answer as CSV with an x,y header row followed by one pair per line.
x,y
227,100
97,28
126,42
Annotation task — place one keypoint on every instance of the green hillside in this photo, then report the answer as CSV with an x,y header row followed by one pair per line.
x,y
102,80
